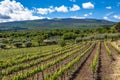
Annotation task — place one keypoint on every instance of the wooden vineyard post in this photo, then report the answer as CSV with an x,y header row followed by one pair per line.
x,y
32,78
40,51
22,71
93,75
37,73
67,73
42,75
41,66
52,50
56,65
0,73
37,76
63,76
53,69
53,54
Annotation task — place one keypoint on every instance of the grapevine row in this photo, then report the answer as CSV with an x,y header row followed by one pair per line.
x,y
70,64
28,58
23,66
43,67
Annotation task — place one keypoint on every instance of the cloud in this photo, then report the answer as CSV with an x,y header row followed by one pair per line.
x,y
51,9
105,17
44,11
116,16
4,16
73,0
77,17
61,9
14,11
11,10
108,7
85,15
89,14
88,5
75,8
108,15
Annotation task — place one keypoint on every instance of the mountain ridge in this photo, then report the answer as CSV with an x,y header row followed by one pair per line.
x,y
55,23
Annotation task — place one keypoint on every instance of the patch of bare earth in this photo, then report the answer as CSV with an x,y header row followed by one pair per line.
x,y
115,66
85,73
105,63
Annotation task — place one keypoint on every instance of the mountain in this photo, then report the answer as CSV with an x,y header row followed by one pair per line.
x,y
54,24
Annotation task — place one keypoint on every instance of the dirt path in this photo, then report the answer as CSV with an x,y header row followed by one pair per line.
x,y
104,64
85,73
115,66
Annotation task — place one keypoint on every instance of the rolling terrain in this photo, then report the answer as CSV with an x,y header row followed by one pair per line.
x,y
54,24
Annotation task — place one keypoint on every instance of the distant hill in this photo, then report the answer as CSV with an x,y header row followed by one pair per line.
x,y
54,24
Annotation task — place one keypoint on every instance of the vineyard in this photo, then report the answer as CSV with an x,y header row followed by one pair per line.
x,y
91,60
59,40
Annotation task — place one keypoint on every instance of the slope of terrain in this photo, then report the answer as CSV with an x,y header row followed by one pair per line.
x,y
55,23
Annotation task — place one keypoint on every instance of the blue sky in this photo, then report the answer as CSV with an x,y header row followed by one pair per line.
x,y
18,10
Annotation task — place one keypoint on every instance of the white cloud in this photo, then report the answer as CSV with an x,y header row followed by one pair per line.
x,y
45,10
75,8
73,0
108,7
77,17
110,13
116,16
105,17
90,13
61,9
15,11
4,16
86,15
51,9
88,5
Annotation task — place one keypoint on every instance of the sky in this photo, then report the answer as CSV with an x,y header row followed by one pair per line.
x,y
19,10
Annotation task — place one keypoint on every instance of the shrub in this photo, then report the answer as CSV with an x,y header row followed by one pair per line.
x,y
18,44
28,44
68,36
2,45
5,41
62,43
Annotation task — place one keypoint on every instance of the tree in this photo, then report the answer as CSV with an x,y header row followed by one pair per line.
x,y
18,44
69,35
112,30
2,45
117,27
5,41
40,40
62,43
28,44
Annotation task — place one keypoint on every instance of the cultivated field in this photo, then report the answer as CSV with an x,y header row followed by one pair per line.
x,y
82,61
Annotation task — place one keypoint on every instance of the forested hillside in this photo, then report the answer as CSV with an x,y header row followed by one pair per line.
x,y
55,24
